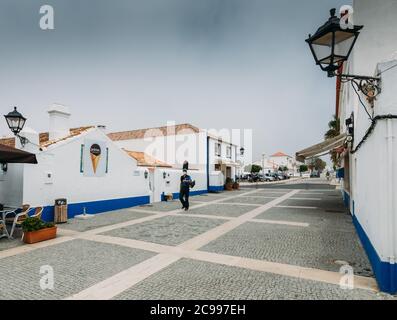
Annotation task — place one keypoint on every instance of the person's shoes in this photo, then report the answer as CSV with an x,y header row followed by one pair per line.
x,y
183,208
186,209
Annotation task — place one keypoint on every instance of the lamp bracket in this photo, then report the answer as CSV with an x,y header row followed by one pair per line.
x,y
24,141
369,86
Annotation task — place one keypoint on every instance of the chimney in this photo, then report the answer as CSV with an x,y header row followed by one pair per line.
x,y
102,128
59,121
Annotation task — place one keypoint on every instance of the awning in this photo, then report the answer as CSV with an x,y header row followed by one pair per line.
x,y
12,155
321,148
228,163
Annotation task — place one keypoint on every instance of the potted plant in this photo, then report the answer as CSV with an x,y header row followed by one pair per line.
x,y
229,184
36,230
236,185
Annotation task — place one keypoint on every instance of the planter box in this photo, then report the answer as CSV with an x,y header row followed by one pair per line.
x,y
40,235
236,186
229,187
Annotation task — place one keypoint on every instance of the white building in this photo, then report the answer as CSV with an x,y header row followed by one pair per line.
x,y
368,164
82,165
204,150
283,160
164,180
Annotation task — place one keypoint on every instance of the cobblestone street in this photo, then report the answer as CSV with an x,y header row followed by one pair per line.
x,y
284,241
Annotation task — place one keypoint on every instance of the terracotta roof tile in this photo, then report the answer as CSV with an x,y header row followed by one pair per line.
x,y
280,154
44,137
153,132
10,142
146,160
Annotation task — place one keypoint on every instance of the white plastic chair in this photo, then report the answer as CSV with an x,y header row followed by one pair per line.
x,y
3,230
18,218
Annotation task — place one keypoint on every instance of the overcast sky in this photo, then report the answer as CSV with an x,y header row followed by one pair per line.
x,y
133,64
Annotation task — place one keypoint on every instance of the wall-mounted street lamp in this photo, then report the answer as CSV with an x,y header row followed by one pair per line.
x,y
332,45
242,151
16,121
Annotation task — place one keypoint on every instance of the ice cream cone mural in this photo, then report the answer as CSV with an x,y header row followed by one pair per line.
x,y
95,153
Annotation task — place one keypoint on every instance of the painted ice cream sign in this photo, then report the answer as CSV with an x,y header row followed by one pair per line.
x,y
95,158
95,153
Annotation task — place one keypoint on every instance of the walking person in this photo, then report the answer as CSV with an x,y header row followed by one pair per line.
x,y
186,183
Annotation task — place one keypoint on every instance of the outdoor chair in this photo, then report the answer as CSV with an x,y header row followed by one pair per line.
x,y
37,212
3,230
18,217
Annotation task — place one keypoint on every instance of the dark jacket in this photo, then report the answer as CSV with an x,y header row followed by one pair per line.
x,y
186,181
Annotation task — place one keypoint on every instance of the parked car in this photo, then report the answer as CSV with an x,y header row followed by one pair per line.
x,y
269,178
315,174
254,177
277,176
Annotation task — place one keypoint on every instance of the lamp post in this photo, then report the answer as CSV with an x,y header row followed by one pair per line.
x,y
332,45
16,121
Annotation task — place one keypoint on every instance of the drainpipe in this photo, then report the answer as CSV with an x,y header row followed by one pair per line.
x,y
391,201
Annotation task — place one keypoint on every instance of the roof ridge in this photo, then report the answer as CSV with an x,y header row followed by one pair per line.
x,y
140,133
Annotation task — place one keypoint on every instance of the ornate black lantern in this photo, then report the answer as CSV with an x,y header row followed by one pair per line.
x,y
15,121
332,45
242,150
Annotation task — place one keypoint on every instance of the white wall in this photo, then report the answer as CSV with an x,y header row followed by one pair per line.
x,y
378,39
217,179
372,169
11,184
374,174
171,183
63,162
173,149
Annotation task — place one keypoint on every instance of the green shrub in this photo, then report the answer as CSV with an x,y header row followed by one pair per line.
x,y
35,224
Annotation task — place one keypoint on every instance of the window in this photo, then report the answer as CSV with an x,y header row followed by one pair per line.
x,y
229,152
218,149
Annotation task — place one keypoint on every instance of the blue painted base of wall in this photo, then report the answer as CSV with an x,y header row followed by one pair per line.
x,y
94,207
385,273
216,188
192,194
346,199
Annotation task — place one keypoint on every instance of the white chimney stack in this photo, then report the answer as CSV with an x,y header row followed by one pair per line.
x,y
59,121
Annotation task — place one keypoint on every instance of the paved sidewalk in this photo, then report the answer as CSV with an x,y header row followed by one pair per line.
x,y
275,242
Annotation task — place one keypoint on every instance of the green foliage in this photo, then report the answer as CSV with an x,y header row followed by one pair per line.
x,y
255,168
303,168
283,169
333,128
333,131
35,224
229,181
317,164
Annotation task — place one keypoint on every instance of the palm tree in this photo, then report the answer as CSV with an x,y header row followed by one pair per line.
x,y
333,131
334,128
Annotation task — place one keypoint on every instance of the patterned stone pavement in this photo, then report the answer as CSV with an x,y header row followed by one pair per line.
x,y
278,242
